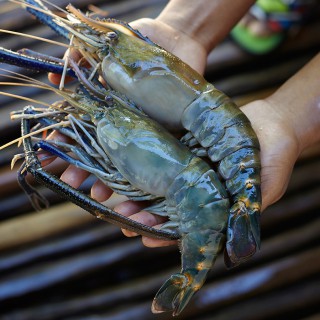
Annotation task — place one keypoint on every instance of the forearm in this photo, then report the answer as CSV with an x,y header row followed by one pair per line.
x,y
207,21
298,101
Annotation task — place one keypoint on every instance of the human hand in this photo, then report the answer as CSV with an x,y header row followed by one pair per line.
x,y
286,123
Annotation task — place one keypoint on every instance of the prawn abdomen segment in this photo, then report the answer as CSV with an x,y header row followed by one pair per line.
x,y
199,252
225,132
199,197
210,117
202,210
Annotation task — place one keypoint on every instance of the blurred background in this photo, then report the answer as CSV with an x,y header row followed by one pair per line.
x,y
62,263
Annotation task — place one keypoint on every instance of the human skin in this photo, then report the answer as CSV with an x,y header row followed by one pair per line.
x,y
286,123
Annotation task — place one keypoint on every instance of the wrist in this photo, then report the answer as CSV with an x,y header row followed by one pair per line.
x,y
307,126
304,126
301,115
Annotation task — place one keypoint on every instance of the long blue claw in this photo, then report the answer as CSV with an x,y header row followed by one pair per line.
x,y
29,62
46,19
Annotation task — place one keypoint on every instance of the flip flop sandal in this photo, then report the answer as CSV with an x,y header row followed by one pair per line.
x,y
278,16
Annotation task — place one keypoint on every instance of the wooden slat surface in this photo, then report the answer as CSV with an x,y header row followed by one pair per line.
x,y
64,264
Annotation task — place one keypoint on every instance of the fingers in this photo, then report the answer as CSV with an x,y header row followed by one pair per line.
x,y
130,209
100,191
279,149
46,157
74,176
56,78
155,243
135,211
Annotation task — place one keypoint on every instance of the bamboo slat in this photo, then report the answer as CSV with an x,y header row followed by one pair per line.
x,y
63,264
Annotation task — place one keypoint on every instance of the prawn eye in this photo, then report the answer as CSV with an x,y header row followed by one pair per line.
x,y
112,35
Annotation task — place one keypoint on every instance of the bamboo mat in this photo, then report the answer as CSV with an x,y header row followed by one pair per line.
x,y
63,264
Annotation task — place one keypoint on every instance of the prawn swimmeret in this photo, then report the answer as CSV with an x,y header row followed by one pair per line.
x,y
121,134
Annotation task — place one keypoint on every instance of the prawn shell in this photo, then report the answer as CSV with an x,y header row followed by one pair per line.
x,y
199,197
